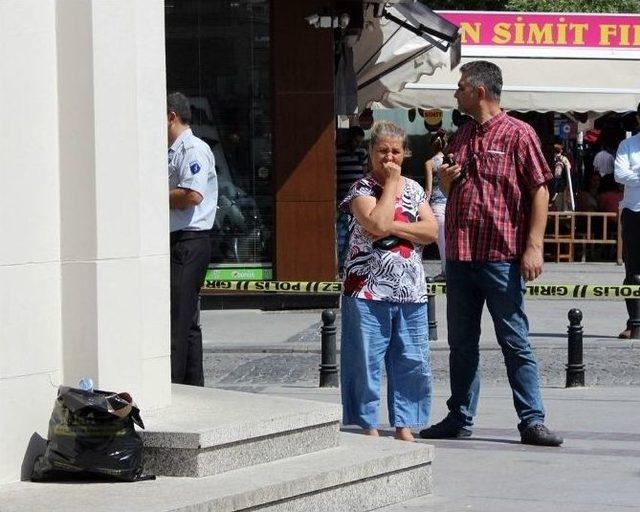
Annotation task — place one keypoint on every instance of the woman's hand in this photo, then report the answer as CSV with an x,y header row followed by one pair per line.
x,y
392,171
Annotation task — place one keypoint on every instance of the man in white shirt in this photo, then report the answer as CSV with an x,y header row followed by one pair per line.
x,y
193,197
603,162
627,172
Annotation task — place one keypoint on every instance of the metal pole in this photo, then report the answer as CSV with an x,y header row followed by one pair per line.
x,y
570,185
580,159
431,314
328,366
575,365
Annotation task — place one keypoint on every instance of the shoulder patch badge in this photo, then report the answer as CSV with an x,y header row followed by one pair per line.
x,y
194,167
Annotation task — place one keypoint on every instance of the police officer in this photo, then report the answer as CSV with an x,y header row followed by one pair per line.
x,y
193,197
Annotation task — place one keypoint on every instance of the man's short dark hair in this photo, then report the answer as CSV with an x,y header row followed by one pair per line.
x,y
638,109
178,103
483,73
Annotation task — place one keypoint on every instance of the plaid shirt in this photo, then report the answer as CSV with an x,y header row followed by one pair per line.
x,y
488,210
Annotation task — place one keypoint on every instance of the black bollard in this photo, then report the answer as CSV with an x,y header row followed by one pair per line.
x,y
575,365
634,315
431,314
328,366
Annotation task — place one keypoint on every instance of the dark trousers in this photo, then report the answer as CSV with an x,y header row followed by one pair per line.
x,y
631,256
190,255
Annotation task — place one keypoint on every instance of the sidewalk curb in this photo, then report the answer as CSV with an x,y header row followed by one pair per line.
x,y
435,346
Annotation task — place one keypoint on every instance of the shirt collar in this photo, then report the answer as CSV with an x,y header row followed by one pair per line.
x,y
494,121
176,143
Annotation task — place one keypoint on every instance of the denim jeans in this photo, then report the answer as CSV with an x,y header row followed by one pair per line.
x,y
373,332
500,284
631,257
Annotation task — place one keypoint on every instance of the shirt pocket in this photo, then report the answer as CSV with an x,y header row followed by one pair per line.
x,y
493,164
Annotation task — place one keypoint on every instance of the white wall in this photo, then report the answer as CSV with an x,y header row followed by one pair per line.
x,y
30,339
83,208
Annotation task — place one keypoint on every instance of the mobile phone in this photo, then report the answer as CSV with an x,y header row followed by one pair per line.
x,y
448,160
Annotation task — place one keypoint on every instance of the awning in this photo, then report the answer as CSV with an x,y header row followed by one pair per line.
x,y
540,84
400,43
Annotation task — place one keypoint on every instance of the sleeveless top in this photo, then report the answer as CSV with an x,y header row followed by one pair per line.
x,y
437,197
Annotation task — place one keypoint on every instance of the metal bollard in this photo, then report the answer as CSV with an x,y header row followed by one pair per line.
x,y
575,365
328,366
634,320
431,314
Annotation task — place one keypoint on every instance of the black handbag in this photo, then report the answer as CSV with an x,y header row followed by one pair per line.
x,y
387,243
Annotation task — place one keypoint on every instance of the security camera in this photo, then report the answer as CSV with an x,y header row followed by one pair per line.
x,y
313,19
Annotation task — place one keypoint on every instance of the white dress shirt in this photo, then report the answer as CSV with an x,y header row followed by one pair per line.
x,y
627,172
192,166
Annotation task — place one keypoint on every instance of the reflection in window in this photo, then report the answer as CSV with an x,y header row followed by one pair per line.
x,y
218,55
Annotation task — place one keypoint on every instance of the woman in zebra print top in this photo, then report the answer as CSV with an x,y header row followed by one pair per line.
x,y
384,306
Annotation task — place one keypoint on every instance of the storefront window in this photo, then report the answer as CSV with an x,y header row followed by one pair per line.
x,y
218,55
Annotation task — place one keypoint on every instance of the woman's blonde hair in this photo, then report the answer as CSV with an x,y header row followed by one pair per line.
x,y
388,129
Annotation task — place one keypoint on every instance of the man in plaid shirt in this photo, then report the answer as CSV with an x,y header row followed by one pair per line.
x,y
495,220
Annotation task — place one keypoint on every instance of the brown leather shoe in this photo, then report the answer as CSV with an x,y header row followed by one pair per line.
x,y
625,335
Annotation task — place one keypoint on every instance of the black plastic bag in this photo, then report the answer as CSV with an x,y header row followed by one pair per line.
x,y
92,436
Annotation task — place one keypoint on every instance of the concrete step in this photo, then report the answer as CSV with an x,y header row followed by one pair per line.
x,y
209,431
361,474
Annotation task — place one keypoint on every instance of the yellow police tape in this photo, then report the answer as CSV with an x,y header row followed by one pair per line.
x,y
534,291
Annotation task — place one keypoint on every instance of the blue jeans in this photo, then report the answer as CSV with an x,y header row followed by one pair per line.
x,y
500,284
373,332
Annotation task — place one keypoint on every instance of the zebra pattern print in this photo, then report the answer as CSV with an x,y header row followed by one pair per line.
x,y
395,275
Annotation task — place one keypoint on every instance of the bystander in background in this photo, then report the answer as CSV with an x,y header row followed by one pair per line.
x,y
603,162
627,173
351,159
560,190
437,200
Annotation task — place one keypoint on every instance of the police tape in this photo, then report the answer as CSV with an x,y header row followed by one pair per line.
x,y
533,291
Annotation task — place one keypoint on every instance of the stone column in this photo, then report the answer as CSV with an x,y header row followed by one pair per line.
x,y
84,265
113,196
30,337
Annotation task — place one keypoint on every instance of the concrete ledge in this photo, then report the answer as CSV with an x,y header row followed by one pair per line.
x,y
208,431
218,459
206,417
371,494
362,474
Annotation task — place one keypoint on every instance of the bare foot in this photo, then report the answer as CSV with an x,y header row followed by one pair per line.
x,y
404,434
373,432
625,335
